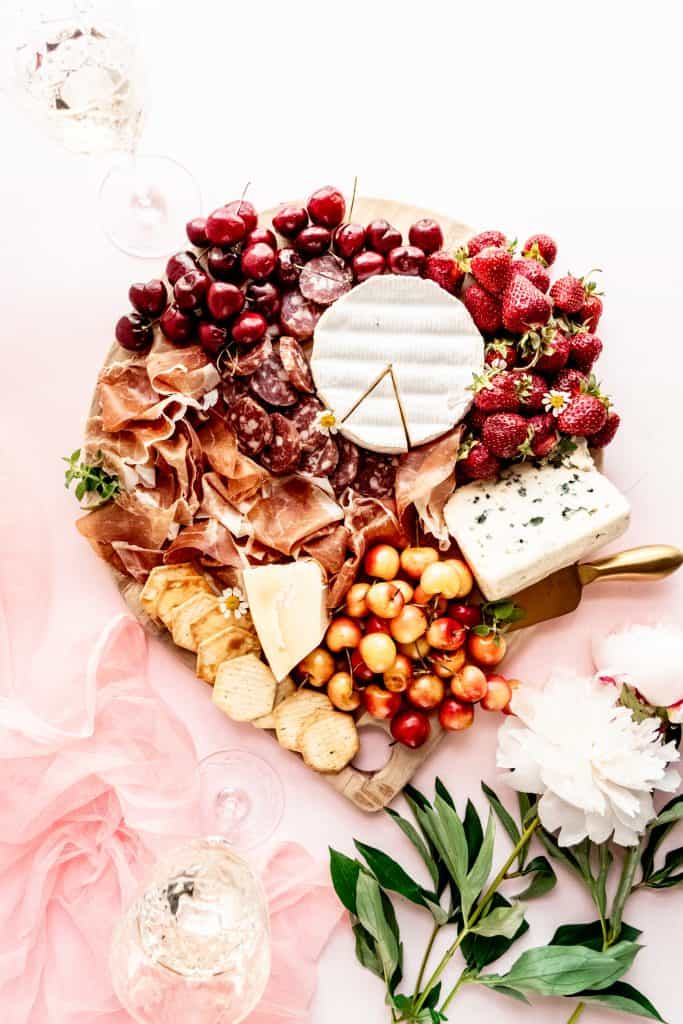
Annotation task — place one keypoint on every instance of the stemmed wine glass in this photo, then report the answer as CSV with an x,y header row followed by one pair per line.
x,y
74,65
195,944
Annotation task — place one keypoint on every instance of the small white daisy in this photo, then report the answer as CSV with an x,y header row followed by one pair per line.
x,y
555,401
326,422
232,603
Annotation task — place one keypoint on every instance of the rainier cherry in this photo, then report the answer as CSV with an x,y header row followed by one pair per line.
x,y
385,600
399,675
224,300
409,625
425,692
177,326
376,624
447,663
411,728
367,264
382,561
246,210
134,333
498,694
290,220
150,298
179,264
469,684
223,227
341,692
382,236
342,633
359,669
407,260
378,651
196,231
316,668
356,600
249,327
381,703
258,261
415,560
313,241
348,239
487,650
426,234
327,207
455,715
446,634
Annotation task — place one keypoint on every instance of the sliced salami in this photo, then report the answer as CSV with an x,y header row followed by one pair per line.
x,y
233,388
251,423
347,468
296,364
298,316
247,360
271,383
375,477
323,461
325,279
284,450
305,418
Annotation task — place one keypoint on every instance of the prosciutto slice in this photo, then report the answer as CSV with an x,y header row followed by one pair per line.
x,y
137,562
367,521
207,539
293,511
181,371
243,477
134,523
425,479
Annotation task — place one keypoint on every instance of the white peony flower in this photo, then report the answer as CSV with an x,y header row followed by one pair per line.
x,y
648,658
594,766
232,603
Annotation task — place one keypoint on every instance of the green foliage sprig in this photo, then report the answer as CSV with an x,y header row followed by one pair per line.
x,y
91,479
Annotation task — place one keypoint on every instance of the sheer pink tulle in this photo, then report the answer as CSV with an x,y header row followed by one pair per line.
x,y
96,777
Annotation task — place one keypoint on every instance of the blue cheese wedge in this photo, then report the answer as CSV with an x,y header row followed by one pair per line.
x,y
518,530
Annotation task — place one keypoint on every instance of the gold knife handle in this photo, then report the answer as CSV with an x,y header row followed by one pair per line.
x,y
652,562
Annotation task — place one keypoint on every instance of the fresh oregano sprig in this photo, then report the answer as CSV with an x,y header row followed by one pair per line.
x,y
91,479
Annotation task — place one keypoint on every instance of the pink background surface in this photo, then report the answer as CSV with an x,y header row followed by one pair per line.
x,y
63,288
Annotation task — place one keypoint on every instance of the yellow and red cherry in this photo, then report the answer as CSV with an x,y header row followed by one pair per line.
x,y
469,684
378,651
382,562
409,625
441,578
381,703
405,589
385,599
415,560
343,633
415,649
446,634
398,677
359,670
356,600
376,624
455,715
498,694
436,602
411,728
341,691
447,663
425,692
488,650
316,668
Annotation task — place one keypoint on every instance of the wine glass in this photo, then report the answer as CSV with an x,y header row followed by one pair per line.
x,y
241,798
74,66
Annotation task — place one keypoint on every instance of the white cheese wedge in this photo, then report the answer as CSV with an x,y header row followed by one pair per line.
x,y
533,521
376,422
288,609
413,327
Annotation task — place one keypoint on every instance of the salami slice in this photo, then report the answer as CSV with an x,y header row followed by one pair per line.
x,y
347,468
233,388
251,423
375,477
248,360
298,316
304,418
271,383
323,461
296,364
284,450
325,279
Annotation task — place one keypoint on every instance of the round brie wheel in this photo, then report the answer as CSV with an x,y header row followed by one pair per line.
x,y
393,359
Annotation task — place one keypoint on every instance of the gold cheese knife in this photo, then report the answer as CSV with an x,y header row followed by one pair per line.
x,y
561,592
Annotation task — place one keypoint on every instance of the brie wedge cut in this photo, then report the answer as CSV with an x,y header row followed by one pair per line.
x,y
288,608
415,329
533,521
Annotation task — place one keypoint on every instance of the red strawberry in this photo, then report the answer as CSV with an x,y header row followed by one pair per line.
x,y
491,267
483,308
567,294
476,419
479,463
591,311
542,248
544,436
586,348
484,238
569,380
585,414
534,272
442,268
500,352
555,354
497,393
524,306
544,446
604,436
504,433
531,388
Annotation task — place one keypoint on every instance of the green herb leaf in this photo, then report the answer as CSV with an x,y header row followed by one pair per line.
x,y
371,914
414,836
481,869
391,875
474,833
589,935
566,970
440,790
672,813
479,951
665,877
345,872
513,993
451,841
503,815
503,921
544,879
658,832
366,953
91,478
626,998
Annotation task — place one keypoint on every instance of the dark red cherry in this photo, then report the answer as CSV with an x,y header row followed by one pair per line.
x,y
367,264
290,220
407,260
287,266
249,327
382,236
258,261
246,210
190,289
349,239
313,241
149,299
224,264
224,300
196,231
179,264
223,227
264,235
327,207
426,234
134,333
212,337
264,298
176,325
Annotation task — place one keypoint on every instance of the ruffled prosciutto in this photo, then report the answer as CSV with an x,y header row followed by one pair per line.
x,y
425,479
136,561
181,371
123,453
293,510
127,396
208,540
329,548
178,462
367,521
243,477
133,522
